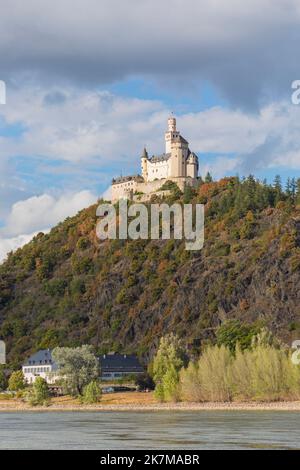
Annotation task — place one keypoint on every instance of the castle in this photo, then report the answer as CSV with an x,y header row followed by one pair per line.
x,y
177,164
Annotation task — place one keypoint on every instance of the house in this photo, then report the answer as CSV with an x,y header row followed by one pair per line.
x,y
115,366
42,365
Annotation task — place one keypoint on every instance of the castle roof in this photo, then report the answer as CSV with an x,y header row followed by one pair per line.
x,y
181,139
123,179
159,158
145,153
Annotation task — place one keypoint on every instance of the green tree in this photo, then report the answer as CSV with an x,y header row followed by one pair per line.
x,y
188,194
208,178
233,332
298,191
16,381
167,363
39,393
92,393
278,189
77,367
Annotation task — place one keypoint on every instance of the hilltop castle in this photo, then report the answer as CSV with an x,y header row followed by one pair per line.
x,y
177,164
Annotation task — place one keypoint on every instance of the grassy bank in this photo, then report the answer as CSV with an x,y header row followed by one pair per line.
x,y
134,401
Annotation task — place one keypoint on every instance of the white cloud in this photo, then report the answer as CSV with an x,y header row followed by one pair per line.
x,y
39,213
44,211
11,244
106,129
83,126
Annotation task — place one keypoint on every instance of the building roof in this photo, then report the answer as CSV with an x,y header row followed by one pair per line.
x,y
159,158
124,179
42,357
120,363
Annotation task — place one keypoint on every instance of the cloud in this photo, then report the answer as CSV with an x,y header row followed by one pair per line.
x,y
245,49
83,126
11,244
39,213
84,137
44,211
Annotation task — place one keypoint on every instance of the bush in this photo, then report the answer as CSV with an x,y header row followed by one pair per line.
x,y
233,331
92,393
39,393
3,381
167,363
16,381
264,373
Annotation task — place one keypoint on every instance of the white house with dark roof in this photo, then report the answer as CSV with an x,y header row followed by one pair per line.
x,y
42,365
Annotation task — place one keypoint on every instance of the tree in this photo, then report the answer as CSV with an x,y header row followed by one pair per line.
x,y
233,332
16,381
188,194
298,191
3,380
278,189
92,392
39,393
208,178
169,359
77,367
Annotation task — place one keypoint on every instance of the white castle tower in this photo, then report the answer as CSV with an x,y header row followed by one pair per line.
x,y
171,133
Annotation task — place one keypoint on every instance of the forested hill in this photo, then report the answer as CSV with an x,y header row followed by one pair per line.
x,y
67,288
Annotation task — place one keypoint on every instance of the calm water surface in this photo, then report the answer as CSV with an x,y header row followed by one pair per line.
x,y
151,430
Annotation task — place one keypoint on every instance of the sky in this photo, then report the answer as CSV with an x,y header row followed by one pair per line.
x,y
90,83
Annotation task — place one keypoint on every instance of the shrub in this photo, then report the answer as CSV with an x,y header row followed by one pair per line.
x,y
264,373
3,380
16,381
167,363
39,393
92,393
232,332
213,374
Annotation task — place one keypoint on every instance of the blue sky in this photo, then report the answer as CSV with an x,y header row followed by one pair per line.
x,y
89,87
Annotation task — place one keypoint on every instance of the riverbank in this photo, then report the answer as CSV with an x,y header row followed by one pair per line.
x,y
135,401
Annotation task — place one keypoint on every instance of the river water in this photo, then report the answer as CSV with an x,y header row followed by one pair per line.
x,y
150,430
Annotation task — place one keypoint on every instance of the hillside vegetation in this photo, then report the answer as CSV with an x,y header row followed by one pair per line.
x,y
67,288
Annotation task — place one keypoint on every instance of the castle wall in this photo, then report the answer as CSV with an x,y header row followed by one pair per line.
x,y
149,188
123,190
157,170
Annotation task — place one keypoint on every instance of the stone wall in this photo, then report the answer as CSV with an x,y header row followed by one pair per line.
x,y
123,190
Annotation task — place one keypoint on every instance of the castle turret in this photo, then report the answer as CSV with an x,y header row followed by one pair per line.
x,y
171,133
172,124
